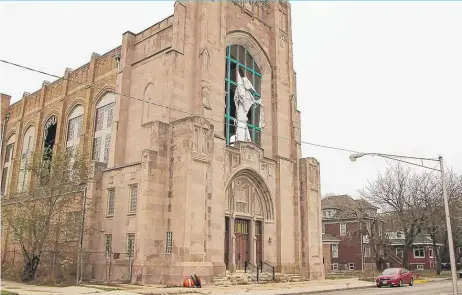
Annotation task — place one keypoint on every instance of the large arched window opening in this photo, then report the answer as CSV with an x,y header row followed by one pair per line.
x,y
27,149
243,113
9,149
49,137
103,128
74,128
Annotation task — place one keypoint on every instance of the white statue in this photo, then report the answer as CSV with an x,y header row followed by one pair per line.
x,y
244,100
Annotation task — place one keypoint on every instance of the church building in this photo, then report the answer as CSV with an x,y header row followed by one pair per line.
x,y
194,133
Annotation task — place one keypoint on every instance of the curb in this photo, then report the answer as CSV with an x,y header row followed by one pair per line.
x,y
354,288
328,290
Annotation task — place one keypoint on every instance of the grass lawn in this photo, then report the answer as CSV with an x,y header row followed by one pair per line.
x,y
5,292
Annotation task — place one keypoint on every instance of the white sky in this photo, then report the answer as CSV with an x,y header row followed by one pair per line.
x,y
372,76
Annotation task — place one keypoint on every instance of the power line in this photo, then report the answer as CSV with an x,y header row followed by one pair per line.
x,y
167,107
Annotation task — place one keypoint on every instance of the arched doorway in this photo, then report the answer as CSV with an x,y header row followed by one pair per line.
x,y
248,207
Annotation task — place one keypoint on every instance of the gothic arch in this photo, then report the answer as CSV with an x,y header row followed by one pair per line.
x,y
73,125
104,90
260,196
71,107
253,47
10,133
30,123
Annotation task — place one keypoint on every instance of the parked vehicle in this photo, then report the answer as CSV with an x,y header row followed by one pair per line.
x,y
447,266
395,277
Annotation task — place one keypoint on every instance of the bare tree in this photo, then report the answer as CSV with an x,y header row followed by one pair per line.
x,y
370,230
394,192
45,217
430,194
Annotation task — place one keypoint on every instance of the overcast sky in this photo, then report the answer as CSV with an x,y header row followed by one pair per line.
x,y
372,76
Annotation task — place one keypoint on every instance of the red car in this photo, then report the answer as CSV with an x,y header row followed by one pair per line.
x,y
395,277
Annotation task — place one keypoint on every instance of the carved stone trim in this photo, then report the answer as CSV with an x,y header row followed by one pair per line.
x,y
244,192
200,157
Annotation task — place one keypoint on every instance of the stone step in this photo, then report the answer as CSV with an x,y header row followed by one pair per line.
x,y
243,278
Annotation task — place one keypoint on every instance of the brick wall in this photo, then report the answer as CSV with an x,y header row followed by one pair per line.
x,y
349,249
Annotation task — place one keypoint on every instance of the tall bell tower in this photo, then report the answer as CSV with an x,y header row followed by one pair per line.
x,y
214,200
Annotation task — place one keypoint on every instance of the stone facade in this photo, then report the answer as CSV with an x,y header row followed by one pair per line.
x,y
170,184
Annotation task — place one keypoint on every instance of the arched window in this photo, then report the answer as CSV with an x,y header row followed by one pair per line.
x,y
74,128
243,114
9,149
103,128
49,137
27,149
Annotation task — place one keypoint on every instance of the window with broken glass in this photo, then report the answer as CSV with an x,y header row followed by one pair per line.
x,y
49,138
241,65
8,152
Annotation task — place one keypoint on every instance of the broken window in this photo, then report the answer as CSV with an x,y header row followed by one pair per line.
x,y
243,110
49,138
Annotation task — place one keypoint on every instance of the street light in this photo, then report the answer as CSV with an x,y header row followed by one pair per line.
x,y
398,158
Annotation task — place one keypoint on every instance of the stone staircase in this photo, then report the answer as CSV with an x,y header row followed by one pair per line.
x,y
289,278
242,278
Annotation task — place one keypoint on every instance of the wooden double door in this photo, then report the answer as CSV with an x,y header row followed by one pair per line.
x,y
243,242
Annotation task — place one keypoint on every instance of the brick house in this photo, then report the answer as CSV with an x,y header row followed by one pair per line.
x,y
421,255
340,220
329,246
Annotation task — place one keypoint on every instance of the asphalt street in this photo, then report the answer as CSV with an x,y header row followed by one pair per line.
x,y
436,288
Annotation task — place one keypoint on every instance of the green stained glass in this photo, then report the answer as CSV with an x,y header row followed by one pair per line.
x,y
238,58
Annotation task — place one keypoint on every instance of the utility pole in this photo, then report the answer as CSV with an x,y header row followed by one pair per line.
x,y
82,228
452,257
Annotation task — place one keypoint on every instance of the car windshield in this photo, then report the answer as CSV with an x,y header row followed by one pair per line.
x,y
390,271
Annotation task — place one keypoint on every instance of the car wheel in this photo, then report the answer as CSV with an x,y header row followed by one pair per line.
x,y
378,286
411,283
400,283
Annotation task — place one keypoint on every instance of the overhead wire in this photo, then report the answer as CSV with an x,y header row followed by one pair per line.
x,y
167,107
211,119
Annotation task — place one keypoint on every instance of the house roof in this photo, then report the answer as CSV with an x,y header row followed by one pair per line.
x,y
421,239
346,206
326,238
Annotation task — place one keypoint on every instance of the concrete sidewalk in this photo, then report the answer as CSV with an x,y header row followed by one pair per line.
x,y
263,289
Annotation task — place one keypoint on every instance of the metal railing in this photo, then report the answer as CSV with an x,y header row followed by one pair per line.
x,y
250,269
268,270
396,259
